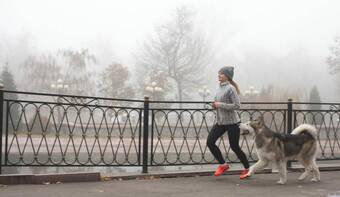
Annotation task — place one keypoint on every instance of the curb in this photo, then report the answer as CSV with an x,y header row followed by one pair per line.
x,y
156,175
14,179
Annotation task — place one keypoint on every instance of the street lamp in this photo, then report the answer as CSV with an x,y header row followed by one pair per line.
x,y
204,92
153,88
251,92
250,95
60,88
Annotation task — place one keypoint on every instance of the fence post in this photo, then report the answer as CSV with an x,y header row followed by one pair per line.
x,y
289,122
1,122
145,134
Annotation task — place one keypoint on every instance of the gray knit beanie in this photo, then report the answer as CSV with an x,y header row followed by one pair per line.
x,y
227,71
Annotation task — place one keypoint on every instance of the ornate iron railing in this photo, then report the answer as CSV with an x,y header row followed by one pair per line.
x,y
66,130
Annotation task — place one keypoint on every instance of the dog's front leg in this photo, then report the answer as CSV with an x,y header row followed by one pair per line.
x,y
282,167
316,172
259,165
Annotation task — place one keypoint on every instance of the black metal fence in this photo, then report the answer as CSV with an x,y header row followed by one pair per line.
x,y
66,130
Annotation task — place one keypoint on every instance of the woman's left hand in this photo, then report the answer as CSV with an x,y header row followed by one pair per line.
x,y
215,105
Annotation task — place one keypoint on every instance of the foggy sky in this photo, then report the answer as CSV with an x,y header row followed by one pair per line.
x,y
284,43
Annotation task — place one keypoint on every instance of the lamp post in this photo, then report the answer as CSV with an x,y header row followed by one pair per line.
x,y
60,87
153,89
204,92
251,94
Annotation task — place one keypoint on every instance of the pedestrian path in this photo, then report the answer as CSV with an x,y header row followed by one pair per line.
x,y
200,186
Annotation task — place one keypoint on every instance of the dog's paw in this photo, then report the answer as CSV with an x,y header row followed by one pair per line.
x,y
280,182
301,178
315,180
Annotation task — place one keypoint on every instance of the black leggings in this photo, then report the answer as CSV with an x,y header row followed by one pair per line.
x,y
234,135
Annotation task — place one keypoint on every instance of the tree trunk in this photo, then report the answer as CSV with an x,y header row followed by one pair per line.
x,y
179,92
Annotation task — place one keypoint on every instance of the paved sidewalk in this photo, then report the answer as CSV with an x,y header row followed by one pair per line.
x,y
201,186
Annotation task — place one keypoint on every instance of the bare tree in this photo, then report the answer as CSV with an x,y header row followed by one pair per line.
x,y
78,75
178,51
114,82
334,58
40,72
72,67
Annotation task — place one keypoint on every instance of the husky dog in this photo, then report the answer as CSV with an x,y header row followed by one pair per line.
x,y
277,148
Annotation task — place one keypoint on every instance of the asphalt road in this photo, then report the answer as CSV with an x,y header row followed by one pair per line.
x,y
201,186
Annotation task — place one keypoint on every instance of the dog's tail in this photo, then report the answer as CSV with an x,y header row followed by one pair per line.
x,y
305,128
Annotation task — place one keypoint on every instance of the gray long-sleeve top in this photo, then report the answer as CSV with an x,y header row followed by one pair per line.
x,y
229,102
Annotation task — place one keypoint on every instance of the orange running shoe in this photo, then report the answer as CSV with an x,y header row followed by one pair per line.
x,y
221,169
244,174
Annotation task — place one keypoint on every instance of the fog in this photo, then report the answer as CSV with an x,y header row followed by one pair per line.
x,y
280,43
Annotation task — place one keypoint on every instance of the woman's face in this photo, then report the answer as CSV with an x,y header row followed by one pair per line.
x,y
222,78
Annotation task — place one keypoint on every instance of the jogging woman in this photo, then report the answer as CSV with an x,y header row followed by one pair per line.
x,y
226,102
